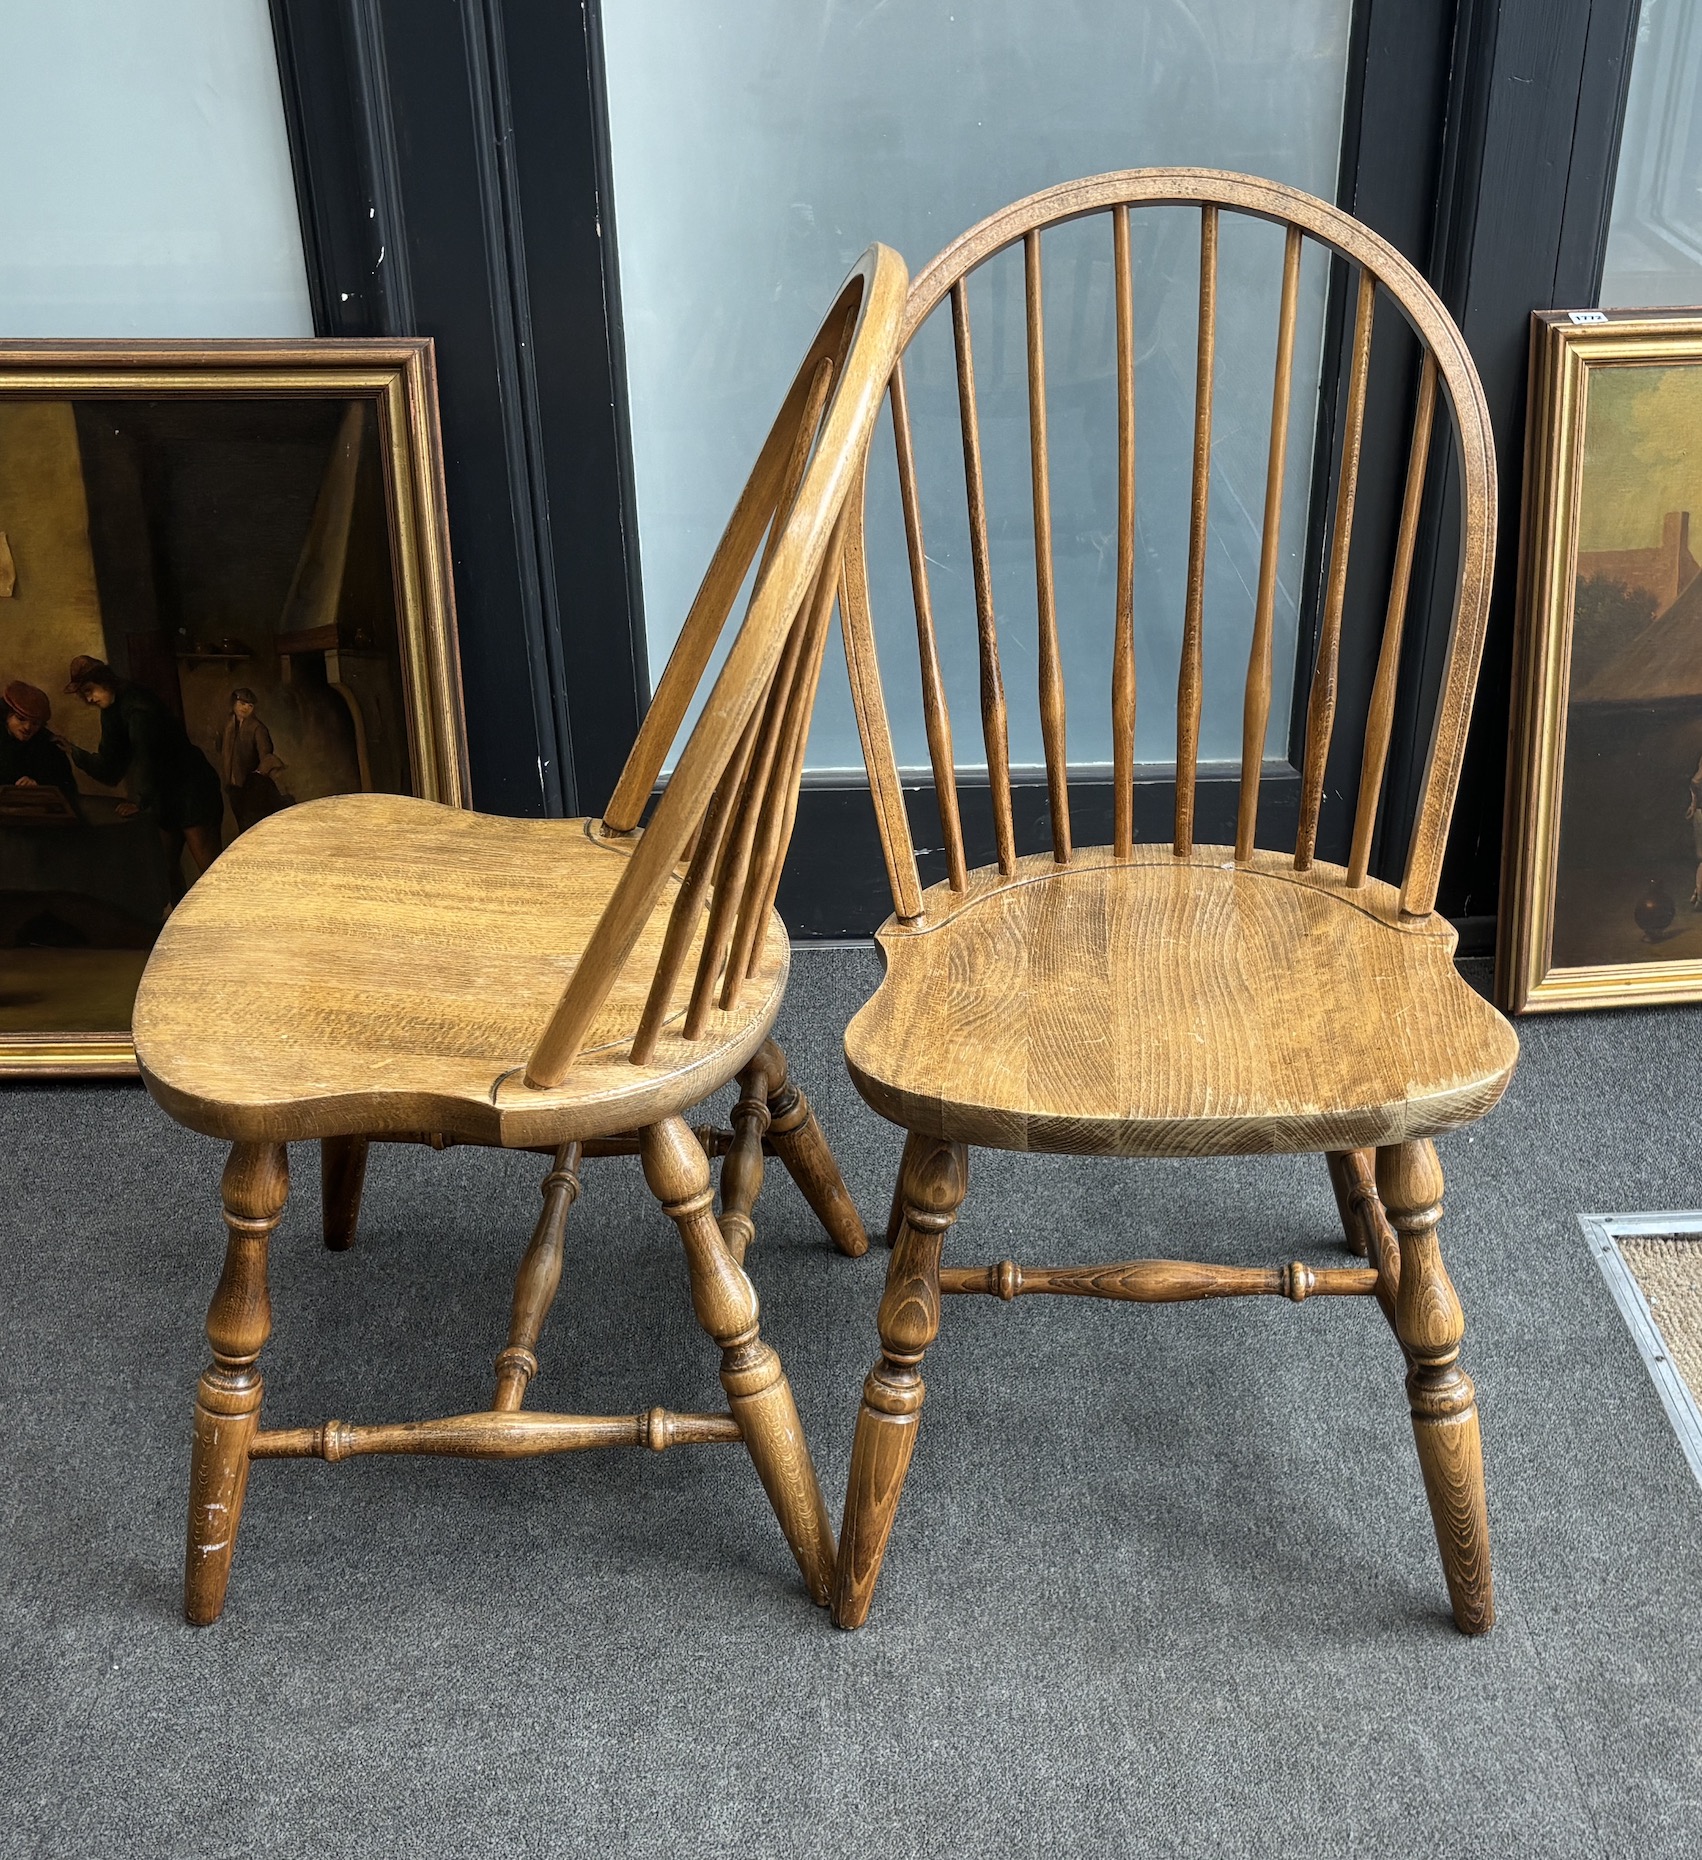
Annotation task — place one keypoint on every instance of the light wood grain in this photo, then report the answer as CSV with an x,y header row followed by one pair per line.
x,y
1052,707
1406,292
792,561
1191,673
1380,716
1443,1401
935,717
372,966
995,732
1184,1000
227,1402
776,802
886,785
395,962
757,1390
932,1183
1256,704
1123,672
1160,1281
1168,1007
497,1435
1321,702
538,1281
797,1140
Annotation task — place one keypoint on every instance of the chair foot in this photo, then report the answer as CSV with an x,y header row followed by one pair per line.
x,y
342,1176
227,1403
1443,1402
758,1393
933,1181
800,1145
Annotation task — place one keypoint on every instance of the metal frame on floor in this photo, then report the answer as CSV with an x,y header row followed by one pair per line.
x,y
1602,1232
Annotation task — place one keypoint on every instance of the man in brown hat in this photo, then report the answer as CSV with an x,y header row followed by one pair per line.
x,y
29,757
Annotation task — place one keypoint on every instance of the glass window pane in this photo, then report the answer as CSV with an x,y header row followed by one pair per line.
x,y
148,186
1654,245
758,145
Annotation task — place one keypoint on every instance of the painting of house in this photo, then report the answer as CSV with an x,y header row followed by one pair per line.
x,y
1631,831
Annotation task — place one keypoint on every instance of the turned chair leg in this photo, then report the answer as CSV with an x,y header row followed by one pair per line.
x,y
1353,1176
1365,1222
1430,1325
537,1281
799,1144
758,1393
895,1211
227,1403
933,1182
741,1167
342,1175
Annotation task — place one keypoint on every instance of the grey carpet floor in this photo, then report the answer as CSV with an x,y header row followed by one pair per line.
x,y
1163,1581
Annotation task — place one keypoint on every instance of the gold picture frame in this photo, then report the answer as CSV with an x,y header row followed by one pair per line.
x,y
1601,900
183,517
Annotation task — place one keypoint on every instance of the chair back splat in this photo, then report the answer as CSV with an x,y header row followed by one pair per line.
x,y
1445,373
729,803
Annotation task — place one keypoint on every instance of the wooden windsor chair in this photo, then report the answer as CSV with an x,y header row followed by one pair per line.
x,y
1176,999
376,967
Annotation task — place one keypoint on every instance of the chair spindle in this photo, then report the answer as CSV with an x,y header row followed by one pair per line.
x,y
1051,670
733,867
689,901
934,712
1256,707
1321,705
994,728
797,699
734,852
763,507
1380,718
1189,677
1123,643
800,744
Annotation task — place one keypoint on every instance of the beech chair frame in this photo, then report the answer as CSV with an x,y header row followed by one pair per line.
x,y
903,1047
666,999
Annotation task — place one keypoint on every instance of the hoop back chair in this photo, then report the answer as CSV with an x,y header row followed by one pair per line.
x,y
1178,999
379,967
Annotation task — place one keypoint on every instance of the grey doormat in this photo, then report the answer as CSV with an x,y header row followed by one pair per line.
x,y
1653,1267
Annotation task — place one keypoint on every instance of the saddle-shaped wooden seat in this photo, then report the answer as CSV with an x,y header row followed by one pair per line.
x,y
1157,1006
382,963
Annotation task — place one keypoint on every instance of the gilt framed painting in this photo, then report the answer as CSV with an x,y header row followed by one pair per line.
x,y
224,589
1602,881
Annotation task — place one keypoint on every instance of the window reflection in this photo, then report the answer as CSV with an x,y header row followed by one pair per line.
x,y
758,145
1654,248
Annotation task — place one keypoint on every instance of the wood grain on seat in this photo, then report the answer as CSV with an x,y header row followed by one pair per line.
x,y
372,963
1165,1007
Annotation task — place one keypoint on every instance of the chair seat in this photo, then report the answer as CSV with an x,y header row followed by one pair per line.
x,y
1175,1007
375,963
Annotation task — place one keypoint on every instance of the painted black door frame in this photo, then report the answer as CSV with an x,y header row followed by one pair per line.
x,y
452,164
452,172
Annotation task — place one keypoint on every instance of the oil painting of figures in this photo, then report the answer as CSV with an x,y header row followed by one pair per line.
x,y
203,626
1628,880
